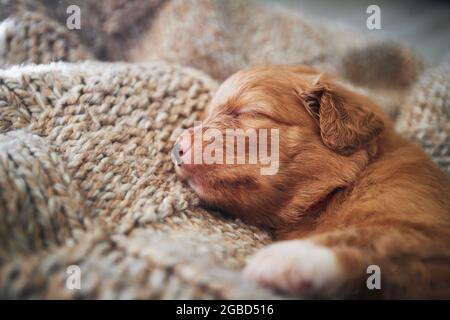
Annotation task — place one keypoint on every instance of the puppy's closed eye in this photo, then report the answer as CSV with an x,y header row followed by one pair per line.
x,y
251,114
235,114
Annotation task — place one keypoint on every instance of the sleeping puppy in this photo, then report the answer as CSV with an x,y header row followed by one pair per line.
x,y
349,196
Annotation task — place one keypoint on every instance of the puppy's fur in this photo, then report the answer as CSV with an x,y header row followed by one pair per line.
x,y
350,192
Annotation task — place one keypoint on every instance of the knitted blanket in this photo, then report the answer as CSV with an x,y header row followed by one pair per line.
x,y
86,179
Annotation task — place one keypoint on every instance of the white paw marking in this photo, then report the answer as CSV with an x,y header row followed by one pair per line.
x,y
297,267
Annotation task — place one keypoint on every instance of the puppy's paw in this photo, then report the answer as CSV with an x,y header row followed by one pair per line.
x,y
297,267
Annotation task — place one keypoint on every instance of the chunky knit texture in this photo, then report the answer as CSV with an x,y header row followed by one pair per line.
x,y
425,117
85,172
29,37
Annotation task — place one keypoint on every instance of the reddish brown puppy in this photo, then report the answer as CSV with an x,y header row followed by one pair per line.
x,y
349,191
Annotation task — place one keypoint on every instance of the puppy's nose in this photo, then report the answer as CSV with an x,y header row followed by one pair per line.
x,y
181,148
177,154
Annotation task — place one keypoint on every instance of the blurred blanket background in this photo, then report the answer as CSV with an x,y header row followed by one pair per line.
x,y
87,117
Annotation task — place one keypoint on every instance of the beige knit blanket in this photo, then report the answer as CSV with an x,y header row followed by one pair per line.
x,y
86,178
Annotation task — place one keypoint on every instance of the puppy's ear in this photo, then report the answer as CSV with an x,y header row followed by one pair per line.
x,y
345,124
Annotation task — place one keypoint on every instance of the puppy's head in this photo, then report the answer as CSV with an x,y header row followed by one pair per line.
x,y
309,136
